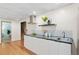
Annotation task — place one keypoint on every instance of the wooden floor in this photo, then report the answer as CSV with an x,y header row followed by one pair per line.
x,y
13,48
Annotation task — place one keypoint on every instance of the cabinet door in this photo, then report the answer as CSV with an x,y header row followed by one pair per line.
x,y
59,48
36,45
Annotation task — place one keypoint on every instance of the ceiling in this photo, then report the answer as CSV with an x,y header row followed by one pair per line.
x,y
18,11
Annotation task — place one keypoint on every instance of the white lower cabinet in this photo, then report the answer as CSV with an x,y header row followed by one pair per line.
x,y
46,47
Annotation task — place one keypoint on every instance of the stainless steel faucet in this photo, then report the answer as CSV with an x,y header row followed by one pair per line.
x,y
63,34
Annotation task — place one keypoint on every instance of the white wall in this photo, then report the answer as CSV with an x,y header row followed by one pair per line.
x,y
30,27
78,23
65,18
15,29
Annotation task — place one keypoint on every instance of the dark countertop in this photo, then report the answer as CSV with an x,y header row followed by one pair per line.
x,y
53,38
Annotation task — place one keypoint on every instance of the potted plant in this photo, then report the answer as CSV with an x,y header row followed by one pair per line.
x,y
33,34
44,18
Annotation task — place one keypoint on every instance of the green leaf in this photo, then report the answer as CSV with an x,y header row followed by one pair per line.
x,y
44,18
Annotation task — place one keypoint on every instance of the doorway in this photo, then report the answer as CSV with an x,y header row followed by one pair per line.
x,y
5,32
23,32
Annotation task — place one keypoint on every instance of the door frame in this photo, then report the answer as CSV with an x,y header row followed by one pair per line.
x,y
22,34
1,29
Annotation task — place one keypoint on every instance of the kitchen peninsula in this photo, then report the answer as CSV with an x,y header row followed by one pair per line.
x,y
43,45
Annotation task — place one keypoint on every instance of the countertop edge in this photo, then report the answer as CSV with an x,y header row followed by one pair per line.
x,y
49,39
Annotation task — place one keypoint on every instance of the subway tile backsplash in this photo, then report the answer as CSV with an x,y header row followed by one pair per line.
x,y
58,33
